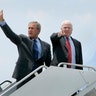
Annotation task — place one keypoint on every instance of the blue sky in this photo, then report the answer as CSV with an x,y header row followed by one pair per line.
x,y
50,13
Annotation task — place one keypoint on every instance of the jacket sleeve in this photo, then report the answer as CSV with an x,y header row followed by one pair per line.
x,y
10,34
54,38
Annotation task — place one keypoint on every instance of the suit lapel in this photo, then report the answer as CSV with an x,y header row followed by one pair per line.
x,y
75,45
42,48
31,46
63,43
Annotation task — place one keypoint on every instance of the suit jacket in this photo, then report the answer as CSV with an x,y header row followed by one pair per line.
x,y
26,63
60,52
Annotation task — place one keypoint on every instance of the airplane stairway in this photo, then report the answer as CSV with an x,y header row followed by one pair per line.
x,y
57,81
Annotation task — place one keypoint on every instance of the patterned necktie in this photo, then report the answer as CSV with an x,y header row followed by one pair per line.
x,y
69,51
35,50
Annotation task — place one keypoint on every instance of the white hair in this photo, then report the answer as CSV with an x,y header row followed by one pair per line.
x,y
66,21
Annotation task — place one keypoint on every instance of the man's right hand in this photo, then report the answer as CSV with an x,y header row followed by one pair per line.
x,y
1,15
61,34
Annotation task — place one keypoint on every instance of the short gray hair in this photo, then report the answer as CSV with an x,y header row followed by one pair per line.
x,y
38,24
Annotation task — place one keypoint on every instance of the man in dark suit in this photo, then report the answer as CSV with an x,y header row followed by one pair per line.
x,y
60,49
26,62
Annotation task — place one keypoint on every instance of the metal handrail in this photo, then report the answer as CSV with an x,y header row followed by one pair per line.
x,y
17,83
1,84
5,82
78,65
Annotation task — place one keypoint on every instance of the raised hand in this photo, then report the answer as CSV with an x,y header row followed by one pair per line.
x,y
1,15
61,33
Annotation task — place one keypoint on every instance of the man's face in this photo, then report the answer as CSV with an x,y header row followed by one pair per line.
x,y
33,31
67,29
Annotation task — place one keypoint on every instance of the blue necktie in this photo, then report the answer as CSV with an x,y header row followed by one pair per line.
x,y
35,50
